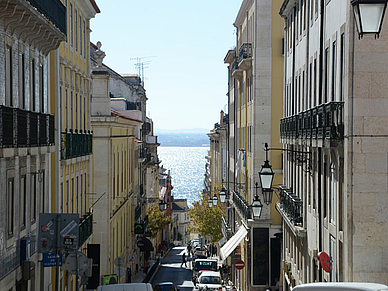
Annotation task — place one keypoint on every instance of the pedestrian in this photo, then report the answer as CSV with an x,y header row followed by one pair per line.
x,y
188,250
277,284
267,288
194,279
184,260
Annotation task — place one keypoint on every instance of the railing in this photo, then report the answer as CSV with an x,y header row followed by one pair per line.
x,y
235,64
245,51
152,139
76,144
226,231
23,128
85,228
292,206
241,205
54,10
146,127
323,121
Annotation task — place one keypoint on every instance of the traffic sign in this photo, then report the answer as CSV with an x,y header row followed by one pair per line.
x,y
324,260
119,261
239,264
131,258
71,263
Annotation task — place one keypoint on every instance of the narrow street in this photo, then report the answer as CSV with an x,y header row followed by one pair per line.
x,y
170,270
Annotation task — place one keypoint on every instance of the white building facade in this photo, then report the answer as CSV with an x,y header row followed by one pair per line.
x,y
335,168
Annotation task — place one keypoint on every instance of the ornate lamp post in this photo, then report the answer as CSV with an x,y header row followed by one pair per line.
x,y
257,206
215,199
222,195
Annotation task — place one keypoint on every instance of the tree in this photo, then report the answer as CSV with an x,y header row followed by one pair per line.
x,y
156,219
207,220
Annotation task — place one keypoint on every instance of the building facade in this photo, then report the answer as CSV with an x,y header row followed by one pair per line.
x,y
28,32
334,100
255,70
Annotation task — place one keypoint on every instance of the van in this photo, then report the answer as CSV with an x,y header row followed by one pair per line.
x,y
341,286
204,265
126,287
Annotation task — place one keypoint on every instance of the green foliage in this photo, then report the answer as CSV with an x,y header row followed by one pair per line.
x,y
207,220
156,219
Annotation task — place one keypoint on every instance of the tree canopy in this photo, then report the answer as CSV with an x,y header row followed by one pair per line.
x,y
207,220
156,219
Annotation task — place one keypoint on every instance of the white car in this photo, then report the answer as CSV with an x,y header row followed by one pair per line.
x,y
209,280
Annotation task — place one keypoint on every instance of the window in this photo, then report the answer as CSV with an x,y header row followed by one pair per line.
x,y
8,76
32,80
76,196
334,73
41,87
10,206
33,197
66,110
311,86
22,84
327,69
71,110
76,29
76,111
23,201
42,185
61,199
80,35
85,40
71,24
67,196
86,202
81,196
342,67
72,196
315,83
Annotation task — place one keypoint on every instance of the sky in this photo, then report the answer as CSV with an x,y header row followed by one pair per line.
x,y
182,45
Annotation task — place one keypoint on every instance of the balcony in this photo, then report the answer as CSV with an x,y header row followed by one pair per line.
x,y
43,22
241,206
237,73
23,128
245,56
151,139
320,122
226,230
146,128
85,228
74,144
292,206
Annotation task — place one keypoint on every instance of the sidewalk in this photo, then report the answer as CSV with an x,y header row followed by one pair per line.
x,y
141,276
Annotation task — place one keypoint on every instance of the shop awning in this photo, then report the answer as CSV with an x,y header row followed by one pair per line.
x,y
233,242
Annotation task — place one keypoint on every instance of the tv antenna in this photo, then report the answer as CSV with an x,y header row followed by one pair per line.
x,y
141,64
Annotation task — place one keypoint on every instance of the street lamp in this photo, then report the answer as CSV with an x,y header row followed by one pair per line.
x,y
210,202
369,15
222,195
257,206
215,199
162,205
266,174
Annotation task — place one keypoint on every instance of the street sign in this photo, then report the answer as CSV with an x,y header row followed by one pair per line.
x,y
121,272
239,264
50,259
49,226
119,261
131,258
139,228
71,263
324,260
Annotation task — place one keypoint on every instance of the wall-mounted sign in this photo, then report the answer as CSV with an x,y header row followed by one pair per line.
x,y
139,228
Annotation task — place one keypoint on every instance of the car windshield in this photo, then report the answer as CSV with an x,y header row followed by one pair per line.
x,y
210,280
163,288
206,265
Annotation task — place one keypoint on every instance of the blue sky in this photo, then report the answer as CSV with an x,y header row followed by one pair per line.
x,y
183,44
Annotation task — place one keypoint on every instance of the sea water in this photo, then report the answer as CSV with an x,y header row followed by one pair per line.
x,y
187,170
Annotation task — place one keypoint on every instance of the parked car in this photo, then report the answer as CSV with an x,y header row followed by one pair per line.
x,y
341,286
165,286
126,287
200,253
209,280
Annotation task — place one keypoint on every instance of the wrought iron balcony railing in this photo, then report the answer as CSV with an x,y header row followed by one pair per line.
x,y
323,121
85,228
23,128
235,64
292,206
245,51
53,10
76,144
241,205
226,230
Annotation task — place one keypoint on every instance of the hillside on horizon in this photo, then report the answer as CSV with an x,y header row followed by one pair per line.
x,y
183,139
